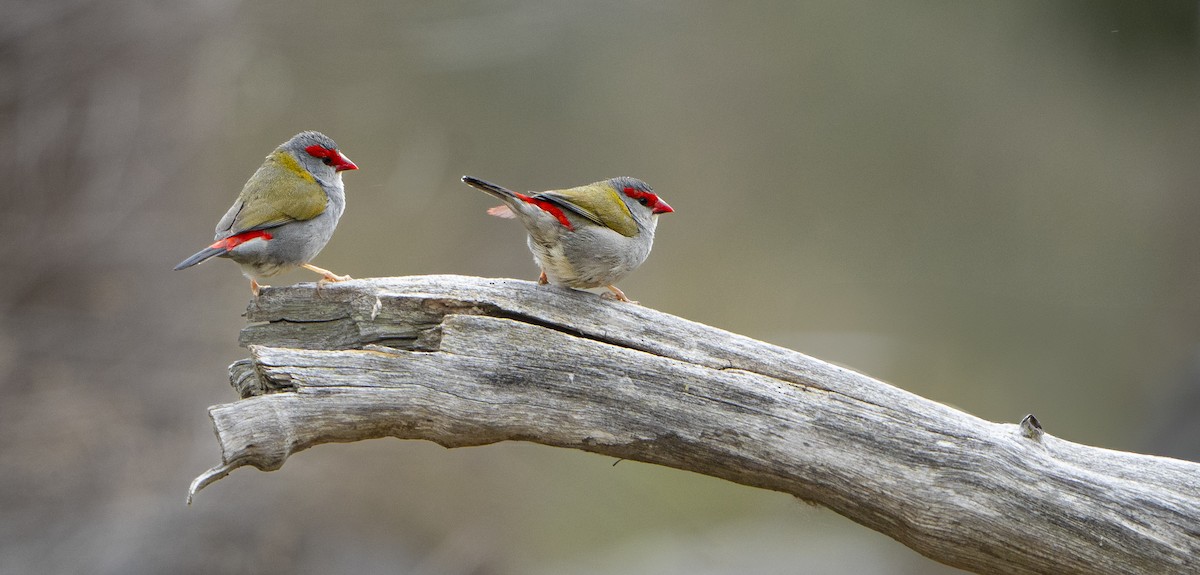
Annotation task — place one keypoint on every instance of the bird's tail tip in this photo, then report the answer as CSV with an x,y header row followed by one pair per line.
x,y
200,256
493,189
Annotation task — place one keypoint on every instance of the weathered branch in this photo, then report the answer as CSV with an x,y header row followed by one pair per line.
x,y
470,361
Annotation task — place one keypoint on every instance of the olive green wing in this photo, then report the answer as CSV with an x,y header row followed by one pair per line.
x,y
281,191
595,202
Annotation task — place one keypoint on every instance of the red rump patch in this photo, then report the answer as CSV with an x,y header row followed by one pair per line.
x,y
549,208
236,240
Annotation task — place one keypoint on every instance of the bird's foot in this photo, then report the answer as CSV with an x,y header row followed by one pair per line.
x,y
617,295
326,275
542,279
330,278
334,278
256,287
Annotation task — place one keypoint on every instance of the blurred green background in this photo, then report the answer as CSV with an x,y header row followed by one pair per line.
x,y
990,204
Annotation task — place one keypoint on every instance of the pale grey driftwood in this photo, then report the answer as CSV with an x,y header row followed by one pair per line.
x,y
471,361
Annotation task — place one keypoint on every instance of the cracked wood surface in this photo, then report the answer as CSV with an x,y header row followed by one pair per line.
x,y
471,361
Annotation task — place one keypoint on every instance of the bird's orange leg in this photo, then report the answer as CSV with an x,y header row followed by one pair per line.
x,y
618,294
255,287
328,276
542,280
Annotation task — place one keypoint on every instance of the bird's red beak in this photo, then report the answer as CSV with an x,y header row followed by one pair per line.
x,y
662,208
341,162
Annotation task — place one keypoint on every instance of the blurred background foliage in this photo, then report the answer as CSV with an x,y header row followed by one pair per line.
x,y
991,204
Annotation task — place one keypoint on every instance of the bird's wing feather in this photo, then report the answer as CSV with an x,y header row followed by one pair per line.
x,y
565,203
281,191
597,203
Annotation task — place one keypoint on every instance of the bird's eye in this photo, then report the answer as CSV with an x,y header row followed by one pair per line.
x,y
327,161
644,201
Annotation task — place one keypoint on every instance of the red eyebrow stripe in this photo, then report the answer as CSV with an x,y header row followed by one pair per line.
x,y
549,208
319,151
638,194
236,240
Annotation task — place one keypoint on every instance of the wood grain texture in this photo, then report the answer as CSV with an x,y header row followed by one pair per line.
x,y
470,361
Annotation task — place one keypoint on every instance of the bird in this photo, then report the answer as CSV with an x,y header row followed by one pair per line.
x,y
585,237
286,212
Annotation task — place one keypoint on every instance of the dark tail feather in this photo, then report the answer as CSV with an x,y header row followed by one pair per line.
x,y
493,189
200,256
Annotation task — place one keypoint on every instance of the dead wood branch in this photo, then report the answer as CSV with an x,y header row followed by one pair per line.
x,y
471,361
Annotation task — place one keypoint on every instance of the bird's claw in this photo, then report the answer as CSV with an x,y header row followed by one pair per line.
x,y
330,278
326,275
334,278
616,294
614,297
